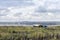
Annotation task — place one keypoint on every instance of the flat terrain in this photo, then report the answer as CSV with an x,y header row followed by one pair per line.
x,y
29,33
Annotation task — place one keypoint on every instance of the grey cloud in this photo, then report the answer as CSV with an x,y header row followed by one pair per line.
x,y
49,3
54,10
5,13
2,14
41,9
45,10
17,14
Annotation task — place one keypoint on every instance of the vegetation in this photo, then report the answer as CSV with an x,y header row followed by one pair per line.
x,y
29,33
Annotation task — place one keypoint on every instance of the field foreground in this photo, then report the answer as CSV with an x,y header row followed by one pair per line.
x,y
29,33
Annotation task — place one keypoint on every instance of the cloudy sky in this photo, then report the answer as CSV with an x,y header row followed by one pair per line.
x,y
29,10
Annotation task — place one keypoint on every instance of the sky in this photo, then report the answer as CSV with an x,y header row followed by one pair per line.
x,y
29,10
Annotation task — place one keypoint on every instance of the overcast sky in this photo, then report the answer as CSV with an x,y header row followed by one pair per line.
x,y
29,10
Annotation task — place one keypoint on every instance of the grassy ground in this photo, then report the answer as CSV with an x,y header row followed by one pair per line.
x,y
29,33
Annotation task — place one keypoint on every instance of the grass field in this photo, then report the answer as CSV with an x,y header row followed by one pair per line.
x,y
29,33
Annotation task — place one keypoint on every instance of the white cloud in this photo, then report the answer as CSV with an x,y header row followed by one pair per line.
x,y
50,14
45,8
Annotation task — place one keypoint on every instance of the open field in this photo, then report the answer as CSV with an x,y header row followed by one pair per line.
x,y
29,33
